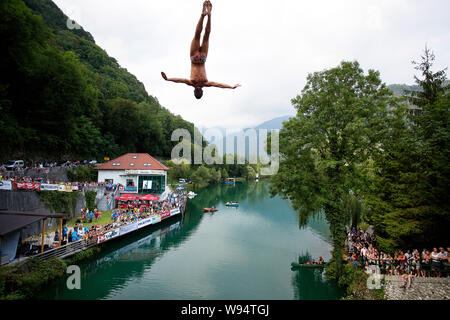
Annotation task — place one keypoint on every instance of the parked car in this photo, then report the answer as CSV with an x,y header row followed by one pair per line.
x,y
12,164
93,162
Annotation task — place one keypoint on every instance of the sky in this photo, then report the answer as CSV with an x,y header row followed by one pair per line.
x,y
269,47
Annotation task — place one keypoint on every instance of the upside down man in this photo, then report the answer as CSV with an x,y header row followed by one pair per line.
x,y
199,52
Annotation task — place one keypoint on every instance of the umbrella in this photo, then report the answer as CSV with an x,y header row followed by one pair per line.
x,y
149,197
127,197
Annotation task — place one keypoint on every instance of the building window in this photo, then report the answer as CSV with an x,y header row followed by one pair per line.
x,y
116,164
134,157
147,164
130,183
132,164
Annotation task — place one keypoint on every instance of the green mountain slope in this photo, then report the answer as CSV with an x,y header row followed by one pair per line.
x,y
62,96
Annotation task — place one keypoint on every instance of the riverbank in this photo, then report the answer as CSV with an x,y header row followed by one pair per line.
x,y
26,280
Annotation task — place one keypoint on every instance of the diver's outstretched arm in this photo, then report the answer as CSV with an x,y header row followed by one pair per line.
x,y
177,80
220,85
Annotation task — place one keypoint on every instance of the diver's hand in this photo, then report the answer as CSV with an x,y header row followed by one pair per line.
x,y
164,75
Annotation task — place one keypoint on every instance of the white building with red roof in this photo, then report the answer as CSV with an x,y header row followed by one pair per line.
x,y
136,172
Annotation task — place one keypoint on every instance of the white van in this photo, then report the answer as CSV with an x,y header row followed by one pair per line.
x,y
12,164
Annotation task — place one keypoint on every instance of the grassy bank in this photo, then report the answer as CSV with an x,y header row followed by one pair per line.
x,y
105,219
26,280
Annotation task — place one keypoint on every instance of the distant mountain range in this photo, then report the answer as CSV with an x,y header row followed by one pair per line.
x,y
275,123
400,89
246,149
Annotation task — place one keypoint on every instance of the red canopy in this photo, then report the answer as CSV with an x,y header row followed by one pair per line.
x,y
127,197
149,197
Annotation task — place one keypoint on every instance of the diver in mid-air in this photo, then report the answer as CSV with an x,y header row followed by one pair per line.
x,y
198,58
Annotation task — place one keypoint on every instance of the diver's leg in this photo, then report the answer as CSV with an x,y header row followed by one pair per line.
x,y
195,44
205,42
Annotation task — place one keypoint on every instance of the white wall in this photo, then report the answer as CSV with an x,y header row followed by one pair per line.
x,y
112,174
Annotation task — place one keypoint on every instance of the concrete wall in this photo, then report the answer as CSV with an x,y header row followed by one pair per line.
x,y
30,201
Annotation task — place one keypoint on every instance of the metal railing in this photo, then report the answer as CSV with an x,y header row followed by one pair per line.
x,y
66,250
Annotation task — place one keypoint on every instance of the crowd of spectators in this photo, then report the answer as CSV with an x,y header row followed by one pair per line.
x,y
361,251
80,185
134,211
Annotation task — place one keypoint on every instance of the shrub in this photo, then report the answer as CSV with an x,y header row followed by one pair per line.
x,y
26,280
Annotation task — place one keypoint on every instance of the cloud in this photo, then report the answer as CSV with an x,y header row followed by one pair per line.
x,y
267,46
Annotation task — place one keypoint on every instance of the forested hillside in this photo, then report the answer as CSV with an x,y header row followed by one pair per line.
x,y
62,96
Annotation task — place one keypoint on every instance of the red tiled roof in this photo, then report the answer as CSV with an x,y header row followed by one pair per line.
x,y
139,161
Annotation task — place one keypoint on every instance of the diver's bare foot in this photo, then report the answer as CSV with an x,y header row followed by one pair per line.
x,y
205,8
209,5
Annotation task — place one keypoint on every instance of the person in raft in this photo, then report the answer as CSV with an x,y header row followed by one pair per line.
x,y
320,261
198,58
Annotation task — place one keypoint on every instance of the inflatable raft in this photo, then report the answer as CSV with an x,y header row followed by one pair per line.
x,y
232,204
304,265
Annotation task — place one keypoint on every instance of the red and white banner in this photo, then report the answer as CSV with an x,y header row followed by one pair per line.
x,y
165,214
27,185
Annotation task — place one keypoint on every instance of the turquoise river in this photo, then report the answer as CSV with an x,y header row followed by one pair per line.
x,y
234,253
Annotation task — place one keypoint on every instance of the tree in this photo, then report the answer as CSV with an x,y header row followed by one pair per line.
x,y
201,176
215,175
325,148
409,198
432,85
251,173
224,173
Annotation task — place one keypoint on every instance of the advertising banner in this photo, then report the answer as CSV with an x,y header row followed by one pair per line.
x,y
27,186
112,234
144,222
108,235
128,228
130,189
101,238
135,172
165,214
156,219
6,185
147,184
174,211
49,187
61,187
